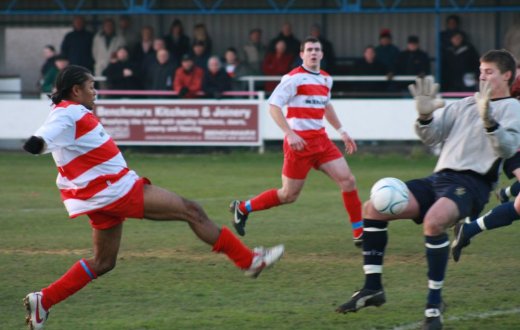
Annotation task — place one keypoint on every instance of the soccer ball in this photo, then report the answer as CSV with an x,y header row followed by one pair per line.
x,y
389,196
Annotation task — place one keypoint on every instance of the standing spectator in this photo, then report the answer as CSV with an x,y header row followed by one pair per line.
x,y
512,38
127,32
369,66
106,43
122,74
201,36
291,42
49,54
144,47
151,58
49,79
177,43
277,63
200,54
386,51
460,65
236,69
412,60
254,51
329,56
188,78
216,80
160,74
77,44
452,27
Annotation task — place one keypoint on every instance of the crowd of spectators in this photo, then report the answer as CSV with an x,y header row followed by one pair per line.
x,y
133,60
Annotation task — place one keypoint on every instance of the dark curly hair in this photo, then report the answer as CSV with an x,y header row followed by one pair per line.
x,y
66,79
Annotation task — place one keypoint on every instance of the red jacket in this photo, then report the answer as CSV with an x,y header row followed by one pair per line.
x,y
191,80
276,66
515,88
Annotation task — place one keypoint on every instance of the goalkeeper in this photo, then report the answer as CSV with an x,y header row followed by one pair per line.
x,y
475,133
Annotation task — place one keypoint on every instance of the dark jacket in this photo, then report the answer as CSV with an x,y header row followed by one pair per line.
x,y
214,84
460,68
116,79
77,47
160,76
412,63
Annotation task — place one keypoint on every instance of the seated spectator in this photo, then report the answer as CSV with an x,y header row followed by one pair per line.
x,y
460,65
201,36
199,54
122,74
160,75
49,55
143,47
151,58
188,78
369,66
412,61
236,69
177,43
452,27
277,63
49,79
328,62
254,51
386,51
292,44
216,80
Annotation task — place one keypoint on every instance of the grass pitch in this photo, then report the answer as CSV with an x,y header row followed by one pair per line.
x,y
167,279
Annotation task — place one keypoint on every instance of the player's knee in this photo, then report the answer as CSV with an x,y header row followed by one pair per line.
x,y
432,227
287,197
368,210
104,266
195,212
348,183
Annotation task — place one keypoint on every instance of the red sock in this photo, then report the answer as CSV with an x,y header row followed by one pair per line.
x,y
79,275
353,206
229,244
264,201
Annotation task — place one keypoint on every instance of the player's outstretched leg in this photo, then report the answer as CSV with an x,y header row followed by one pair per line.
x,y
239,217
36,314
504,194
241,209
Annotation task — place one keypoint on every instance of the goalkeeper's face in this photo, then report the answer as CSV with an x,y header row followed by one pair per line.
x,y
312,55
85,93
499,82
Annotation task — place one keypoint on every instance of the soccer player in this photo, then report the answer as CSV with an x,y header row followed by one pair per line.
x,y
476,132
306,92
94,180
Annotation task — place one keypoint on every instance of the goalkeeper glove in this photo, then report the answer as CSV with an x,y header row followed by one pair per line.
x,y
425,92
482,98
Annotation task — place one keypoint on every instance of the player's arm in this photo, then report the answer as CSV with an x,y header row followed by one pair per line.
x,y
35,145
293,139
58,131
332,118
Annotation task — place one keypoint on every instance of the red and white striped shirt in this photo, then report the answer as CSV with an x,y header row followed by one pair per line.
x,y
306,95
92,172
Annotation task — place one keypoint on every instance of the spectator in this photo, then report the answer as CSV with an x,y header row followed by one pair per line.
x,y
49,79
369,66
200,54
277,63
188,78
122,73
144,47
412,60
151,58
127,32
160,75
49,54
177,43
512,38
292,44
106,43
77,44
328,62
216,80
236,69
254,51
452,27
386,51
460,65
201,36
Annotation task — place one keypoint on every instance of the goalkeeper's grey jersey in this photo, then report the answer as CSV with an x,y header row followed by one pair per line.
x,y
465,144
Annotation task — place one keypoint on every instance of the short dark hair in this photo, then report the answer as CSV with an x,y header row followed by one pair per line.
x,y
504,60
308,39
69,77
455,18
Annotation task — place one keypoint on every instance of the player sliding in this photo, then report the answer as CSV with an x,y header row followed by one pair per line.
x,y
94,180
306,92
476,132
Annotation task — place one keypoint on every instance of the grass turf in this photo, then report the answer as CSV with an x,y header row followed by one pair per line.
x,y
167,279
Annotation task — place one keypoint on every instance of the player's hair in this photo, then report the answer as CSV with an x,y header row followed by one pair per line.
x,y
69,77
308,39
504,60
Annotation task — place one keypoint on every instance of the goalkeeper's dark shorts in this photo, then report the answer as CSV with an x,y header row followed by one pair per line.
x,y
468,190
512,164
